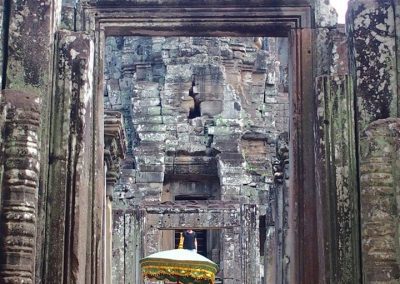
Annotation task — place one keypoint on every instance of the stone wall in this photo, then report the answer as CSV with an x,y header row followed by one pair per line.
x,y
202,117
223,79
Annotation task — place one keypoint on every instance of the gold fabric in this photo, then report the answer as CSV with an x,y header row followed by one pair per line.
x,y
187,272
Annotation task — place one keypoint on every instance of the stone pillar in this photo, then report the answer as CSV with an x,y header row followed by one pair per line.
x,y
118,247
115,148
28,54
270,262
379,175
335,156
132,248
325,23
151,117
231,175
20,187
231,256
149,154
126,246
250,252
371,28
70,206
302,221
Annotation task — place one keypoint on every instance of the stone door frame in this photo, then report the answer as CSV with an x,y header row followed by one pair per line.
x,y
305,249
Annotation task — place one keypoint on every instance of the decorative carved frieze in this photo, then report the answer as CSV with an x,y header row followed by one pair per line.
x,y
19,187
114,144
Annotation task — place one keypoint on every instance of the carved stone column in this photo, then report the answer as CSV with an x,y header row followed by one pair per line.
x,y
115,148
19,188
372,37
27,37
379,177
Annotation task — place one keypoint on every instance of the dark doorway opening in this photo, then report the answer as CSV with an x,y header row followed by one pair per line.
x,y
201,236
262,234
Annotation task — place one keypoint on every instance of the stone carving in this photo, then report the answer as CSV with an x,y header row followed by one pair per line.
x,y
19,187
380,145
115,147
28,36
276,215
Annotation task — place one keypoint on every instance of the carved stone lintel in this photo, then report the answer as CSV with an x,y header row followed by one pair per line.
x,y
115,146
19,188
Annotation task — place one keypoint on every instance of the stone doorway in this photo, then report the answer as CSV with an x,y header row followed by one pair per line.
x,y
265,20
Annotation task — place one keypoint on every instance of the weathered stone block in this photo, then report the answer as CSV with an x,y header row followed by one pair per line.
x,y
150,177
150,127
148,119
156,159
211,108
147,111
178,73
152,136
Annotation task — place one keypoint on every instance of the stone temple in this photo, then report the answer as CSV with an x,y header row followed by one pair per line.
x,y
264,125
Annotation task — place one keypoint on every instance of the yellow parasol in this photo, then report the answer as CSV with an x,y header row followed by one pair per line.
x,y
180,265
